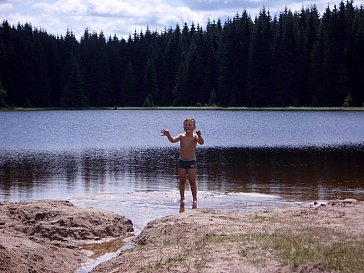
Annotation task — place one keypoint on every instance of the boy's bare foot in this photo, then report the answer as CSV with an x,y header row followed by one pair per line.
x,y
182,207
194,204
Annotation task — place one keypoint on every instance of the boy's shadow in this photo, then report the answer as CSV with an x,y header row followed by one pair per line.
x,y
182,206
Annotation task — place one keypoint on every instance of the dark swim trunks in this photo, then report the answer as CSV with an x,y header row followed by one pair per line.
x,y
187,164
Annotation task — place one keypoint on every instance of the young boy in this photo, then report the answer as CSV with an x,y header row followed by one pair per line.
x,y
187,156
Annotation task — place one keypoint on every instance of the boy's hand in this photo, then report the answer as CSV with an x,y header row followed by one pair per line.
x,y
165,132
200,139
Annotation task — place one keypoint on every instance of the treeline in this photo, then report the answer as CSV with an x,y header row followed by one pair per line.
x,y
292,59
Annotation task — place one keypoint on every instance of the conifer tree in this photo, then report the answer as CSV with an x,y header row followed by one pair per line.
x,y
3,62
150,83
260,62
73,94
357,67
117,60
316,80
285,63
308,26
333,58
54,66
96,70
210,72
180,88
192,80
2,96
228,64
128,95
170,63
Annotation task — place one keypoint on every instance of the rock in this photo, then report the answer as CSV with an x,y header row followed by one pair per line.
x,y
316,204
350,201
345,202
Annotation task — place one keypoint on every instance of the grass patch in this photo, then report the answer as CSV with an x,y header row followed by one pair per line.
x,y
324,249
312,247
179,254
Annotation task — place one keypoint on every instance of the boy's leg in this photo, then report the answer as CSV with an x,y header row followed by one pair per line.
x,y
192,180
182,183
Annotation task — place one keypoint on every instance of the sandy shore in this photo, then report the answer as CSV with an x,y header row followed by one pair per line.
x,y
302,239
45,237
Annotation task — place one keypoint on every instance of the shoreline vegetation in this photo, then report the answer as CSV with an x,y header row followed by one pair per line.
x,y
45,236
188,108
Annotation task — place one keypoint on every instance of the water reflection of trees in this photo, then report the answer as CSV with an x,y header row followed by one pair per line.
x,y
294,172
29,170
298,173
93,169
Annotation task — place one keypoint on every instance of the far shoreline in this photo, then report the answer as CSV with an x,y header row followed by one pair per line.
x,y
189,108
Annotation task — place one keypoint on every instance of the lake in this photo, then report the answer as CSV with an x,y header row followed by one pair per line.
x,y
117,160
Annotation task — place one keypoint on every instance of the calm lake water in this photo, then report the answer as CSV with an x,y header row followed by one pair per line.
x,y
117,160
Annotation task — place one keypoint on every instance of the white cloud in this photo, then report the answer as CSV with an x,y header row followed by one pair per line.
x,y
71,7
123,17
5,7
112,7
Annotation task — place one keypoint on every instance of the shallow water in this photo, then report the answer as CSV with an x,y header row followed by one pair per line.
x,y
143,207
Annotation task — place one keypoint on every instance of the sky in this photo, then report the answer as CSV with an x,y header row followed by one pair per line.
x,y
124,17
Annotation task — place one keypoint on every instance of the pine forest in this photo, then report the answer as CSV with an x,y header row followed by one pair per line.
x,y
295,58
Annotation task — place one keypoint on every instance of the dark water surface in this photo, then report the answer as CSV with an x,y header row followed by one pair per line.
x,y
118,161
295,174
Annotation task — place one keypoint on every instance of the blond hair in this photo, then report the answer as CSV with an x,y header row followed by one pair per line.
x,y
190,119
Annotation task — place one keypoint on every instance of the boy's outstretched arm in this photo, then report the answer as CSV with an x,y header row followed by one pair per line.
x,y
200,139
168,135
